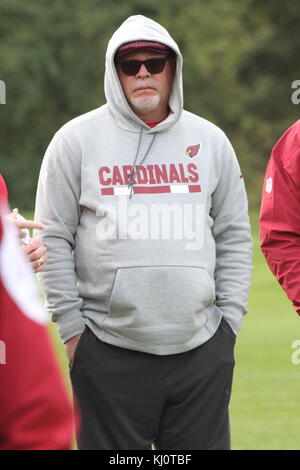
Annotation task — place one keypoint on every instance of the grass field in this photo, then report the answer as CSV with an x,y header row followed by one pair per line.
x,y
265,413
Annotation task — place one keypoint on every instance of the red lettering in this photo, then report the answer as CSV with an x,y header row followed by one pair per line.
x,y
174,176
127,169
142,179
117,178
152,179
161,173
150,174
101,176
192,169
184,179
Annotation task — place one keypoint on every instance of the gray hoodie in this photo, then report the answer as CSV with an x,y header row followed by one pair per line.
x,y
152,265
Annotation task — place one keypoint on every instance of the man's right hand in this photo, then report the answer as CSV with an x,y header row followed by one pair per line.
x,y
70,347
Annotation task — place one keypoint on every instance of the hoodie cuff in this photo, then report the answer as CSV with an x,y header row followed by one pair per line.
x,y
70,325
233,317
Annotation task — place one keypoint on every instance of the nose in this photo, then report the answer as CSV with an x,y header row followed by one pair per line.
x,y
143,72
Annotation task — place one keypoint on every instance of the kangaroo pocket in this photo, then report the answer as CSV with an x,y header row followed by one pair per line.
x,y
159,304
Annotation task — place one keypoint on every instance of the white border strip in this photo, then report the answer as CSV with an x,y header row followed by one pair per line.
x,y
176,188
122,191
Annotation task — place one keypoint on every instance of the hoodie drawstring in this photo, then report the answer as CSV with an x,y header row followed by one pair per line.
x,y
133,172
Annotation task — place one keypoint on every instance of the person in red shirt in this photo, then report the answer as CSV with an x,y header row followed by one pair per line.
x,y
35,250
280,213
35,411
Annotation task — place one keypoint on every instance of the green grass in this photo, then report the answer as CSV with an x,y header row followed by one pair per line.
x,y
265,410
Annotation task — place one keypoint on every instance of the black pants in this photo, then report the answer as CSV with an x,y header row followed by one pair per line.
x,y
130,399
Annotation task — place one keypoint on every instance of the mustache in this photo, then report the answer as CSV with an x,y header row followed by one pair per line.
x,y
143,84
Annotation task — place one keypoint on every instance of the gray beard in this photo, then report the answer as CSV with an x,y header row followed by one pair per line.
x,y
145,103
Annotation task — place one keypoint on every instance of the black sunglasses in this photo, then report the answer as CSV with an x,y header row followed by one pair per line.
x,y
132,67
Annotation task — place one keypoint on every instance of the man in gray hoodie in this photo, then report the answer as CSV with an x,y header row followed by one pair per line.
x,y
149,249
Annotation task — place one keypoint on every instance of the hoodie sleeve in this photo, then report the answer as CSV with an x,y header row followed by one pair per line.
x,y
280,215
57,206
231,230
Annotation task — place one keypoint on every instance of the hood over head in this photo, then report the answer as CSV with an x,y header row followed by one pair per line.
x,y
140,28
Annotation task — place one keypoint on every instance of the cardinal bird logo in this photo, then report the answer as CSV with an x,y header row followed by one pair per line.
x,y
192,150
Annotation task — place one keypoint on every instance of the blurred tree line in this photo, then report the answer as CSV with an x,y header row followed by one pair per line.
x,y
240,59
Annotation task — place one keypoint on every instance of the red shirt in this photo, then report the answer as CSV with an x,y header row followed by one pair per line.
x,y
35,411
152,124
3,194
280,213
